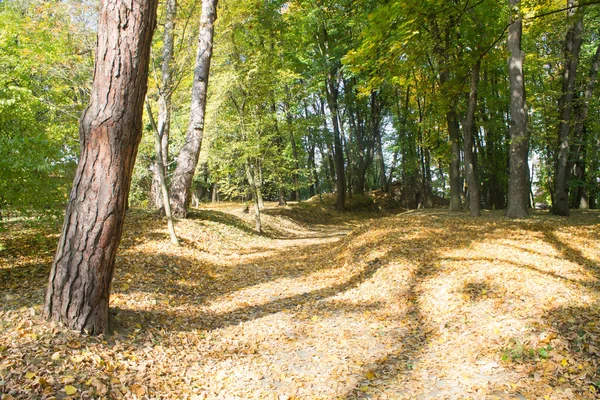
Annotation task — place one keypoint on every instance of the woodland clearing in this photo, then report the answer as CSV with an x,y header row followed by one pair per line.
x,y
323,305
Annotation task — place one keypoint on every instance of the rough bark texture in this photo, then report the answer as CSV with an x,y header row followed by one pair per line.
x,y
572,46
470,166
518,184
187,160
164,101
110,131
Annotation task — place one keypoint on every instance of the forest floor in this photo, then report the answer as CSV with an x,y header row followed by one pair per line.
x,y
358,305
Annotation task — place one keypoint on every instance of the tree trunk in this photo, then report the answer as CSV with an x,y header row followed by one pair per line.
x,y
187,160
110,131
572,47
578,148
290,124
165,91
454,130
255,196
518,190
338,153
470,167
162,180
215,193
376,126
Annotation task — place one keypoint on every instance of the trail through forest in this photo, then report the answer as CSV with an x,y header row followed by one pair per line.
x,y
324,305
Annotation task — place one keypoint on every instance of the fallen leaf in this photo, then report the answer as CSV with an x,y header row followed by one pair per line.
x,y
70,390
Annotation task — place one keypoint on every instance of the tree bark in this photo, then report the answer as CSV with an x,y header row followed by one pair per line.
x,y
470,166
572,47
187,160
110,131
338,153
165,92
162,180
578,148
376,127
454,131
255,196
518,184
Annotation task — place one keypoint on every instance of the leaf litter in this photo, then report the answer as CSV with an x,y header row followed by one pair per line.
x,y
324,305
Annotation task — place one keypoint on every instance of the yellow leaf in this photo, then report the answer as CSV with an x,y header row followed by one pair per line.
x,y
74,344
370,375
69,390
138,390
314,318
29,375
564,362
364,388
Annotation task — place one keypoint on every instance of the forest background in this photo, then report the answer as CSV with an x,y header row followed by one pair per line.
x,y
315,97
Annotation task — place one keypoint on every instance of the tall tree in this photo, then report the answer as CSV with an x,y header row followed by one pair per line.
x,y
518,186
578,148
165,94
470,166
110,131
572,47
187,160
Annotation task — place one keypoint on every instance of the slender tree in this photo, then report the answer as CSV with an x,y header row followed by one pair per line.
x,y
165,94
572,47
470,167
518,185
578,148
110,131
187,160
162,180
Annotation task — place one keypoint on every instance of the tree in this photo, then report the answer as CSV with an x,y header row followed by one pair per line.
x,y
110,132
572,47
518,186
187,159
162,181
470,167
165,94
44,84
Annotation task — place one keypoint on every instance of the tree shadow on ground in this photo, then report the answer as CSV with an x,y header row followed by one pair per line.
x,y
423,250
198,320
426,257
221,217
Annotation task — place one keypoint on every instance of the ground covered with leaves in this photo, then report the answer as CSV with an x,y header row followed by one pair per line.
x,y
324,305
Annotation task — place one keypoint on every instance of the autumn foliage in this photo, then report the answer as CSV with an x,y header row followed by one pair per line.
x,y
350,305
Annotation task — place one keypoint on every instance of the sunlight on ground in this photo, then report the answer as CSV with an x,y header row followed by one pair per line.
x,y
419,305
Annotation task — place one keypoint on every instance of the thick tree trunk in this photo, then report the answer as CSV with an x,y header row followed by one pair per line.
x,y
518,186
110,131
572,47
187,160
165,92
470,166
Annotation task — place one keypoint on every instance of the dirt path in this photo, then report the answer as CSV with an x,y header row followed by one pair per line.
x,y
422,305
